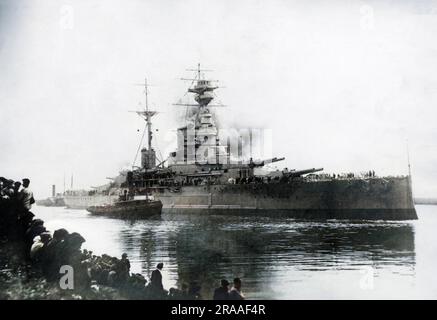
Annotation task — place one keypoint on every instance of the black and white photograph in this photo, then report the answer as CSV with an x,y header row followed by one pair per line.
x,y
234,151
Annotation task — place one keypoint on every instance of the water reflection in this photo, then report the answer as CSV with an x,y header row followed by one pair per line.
x,y
263,251
277,258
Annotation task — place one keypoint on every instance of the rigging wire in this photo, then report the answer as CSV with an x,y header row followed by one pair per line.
x,y
160,154
139,146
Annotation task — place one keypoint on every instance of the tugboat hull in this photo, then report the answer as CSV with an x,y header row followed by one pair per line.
x,y
132,209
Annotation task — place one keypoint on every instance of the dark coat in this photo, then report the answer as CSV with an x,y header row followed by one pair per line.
x,y
156,280
221,294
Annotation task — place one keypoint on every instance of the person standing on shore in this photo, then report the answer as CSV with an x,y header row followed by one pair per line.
x,y
123,269
156,277
25,201
27,195
7,191
156,281
222,293
235,293
17,186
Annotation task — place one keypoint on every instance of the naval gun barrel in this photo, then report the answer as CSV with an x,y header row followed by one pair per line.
x,y
299,173
262,163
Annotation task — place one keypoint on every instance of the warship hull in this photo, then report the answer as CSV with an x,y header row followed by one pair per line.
x,y
372,199
356,199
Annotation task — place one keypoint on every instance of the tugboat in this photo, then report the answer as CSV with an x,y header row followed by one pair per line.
x,y
129,209
129,205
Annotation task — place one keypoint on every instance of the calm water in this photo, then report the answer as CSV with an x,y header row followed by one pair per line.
x,y
277,258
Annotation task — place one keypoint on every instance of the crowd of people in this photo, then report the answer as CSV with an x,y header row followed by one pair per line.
x,y
48,252
16,199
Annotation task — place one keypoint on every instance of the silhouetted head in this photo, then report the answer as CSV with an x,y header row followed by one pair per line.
x,y
60,234
160,266
37,222
172,291
237,283
74,240
17,185
26,182
45,237
224,283
124,256
194,288
76,237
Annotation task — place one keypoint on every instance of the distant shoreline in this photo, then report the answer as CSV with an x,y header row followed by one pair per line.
x,y
428,201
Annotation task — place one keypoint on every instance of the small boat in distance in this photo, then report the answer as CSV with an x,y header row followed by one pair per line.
x,y
128,209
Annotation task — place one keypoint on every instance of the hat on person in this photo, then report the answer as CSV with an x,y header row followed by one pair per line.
x,y
224,283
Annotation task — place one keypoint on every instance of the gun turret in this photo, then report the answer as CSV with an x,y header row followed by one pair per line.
x,y
299,173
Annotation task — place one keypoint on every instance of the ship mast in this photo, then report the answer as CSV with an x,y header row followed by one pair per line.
x,y
410,182
147,114
148,157
200,142
202,88
408,159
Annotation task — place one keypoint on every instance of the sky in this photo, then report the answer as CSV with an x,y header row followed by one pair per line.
x,y
343,85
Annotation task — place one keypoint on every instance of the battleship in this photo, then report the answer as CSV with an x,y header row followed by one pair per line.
x,y
205,176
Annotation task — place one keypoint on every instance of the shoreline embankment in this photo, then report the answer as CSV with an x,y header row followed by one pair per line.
x,y
38,264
